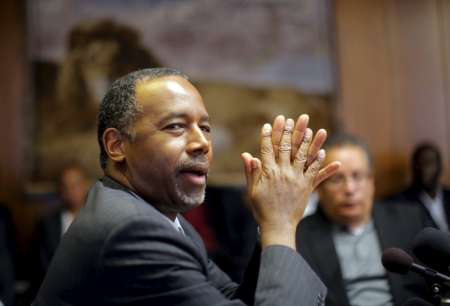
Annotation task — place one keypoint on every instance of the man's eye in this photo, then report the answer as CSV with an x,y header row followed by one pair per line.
x,y
206,129
174,126
336,179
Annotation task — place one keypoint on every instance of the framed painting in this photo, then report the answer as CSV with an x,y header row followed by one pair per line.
x,y
250,59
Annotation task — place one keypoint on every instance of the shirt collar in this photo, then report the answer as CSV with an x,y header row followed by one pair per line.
x,y
354,231
423,195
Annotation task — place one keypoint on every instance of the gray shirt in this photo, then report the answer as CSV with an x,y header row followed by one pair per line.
x,y
359,254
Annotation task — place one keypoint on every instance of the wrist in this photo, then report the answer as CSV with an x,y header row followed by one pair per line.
x,y
276,235
258,237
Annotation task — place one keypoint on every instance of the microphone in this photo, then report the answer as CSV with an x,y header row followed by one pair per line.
x,y
432,247
417,302
398,261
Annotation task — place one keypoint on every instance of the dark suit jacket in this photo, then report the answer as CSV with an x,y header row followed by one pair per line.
x,y
396,226
7,273
48,238
412,195
44,247
234,227
120,250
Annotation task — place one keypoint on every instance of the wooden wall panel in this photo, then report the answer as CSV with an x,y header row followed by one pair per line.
x,y
14,134
444,24
418,70
365,97
393,74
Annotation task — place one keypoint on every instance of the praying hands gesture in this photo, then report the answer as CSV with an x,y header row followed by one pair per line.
x,y
280,183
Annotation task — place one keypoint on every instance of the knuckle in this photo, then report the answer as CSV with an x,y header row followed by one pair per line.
x,y
301,156
285,147
287,133
314,168
266,149
285,176
269,172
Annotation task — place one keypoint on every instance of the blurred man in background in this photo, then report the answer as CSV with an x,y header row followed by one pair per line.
x,y
343,241
425,190
73,186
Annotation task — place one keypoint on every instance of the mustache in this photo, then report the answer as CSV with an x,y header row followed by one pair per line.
x,y
199,160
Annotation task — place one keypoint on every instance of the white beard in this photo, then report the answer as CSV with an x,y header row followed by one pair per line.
x,y
195,200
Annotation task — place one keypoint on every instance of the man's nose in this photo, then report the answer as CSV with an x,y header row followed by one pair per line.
x,y
350,185
198,142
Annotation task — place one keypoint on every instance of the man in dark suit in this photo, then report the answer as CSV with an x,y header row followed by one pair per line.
x,y
73,186
343,241
129,245
425,190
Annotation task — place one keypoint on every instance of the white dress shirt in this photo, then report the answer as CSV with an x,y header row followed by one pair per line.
x,y
435,207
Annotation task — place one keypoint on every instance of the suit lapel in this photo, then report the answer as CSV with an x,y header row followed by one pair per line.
x,y
385,224
54,232
196,241
190,234
446,203
326,252
413,195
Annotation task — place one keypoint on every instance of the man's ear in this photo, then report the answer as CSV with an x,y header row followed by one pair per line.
x,y
112,142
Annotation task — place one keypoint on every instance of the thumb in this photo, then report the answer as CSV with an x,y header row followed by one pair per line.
x,y
248,169
256,171
252,168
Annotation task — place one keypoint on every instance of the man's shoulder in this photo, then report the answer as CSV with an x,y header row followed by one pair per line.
x,y
399,207
400,214
446,192
312,223
107,194
407,194
109,207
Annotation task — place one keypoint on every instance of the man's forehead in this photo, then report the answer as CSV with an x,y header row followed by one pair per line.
x,y
169,96
350,154
175,87
427,154
173,83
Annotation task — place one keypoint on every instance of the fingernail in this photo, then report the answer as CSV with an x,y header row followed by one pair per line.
x,y
321,153
254,163
308,134
267,127
289,124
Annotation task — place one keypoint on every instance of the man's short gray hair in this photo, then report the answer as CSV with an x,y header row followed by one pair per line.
x,y
120,108
342,139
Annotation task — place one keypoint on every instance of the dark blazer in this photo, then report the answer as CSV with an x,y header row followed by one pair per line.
x,y
120,250
396,226
234,227
44,247
48,238
411,195
7,273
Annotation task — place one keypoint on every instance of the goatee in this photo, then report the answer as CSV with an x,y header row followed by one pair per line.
x,y
197,199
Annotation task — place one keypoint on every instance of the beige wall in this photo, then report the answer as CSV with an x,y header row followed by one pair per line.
x,y
393,59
